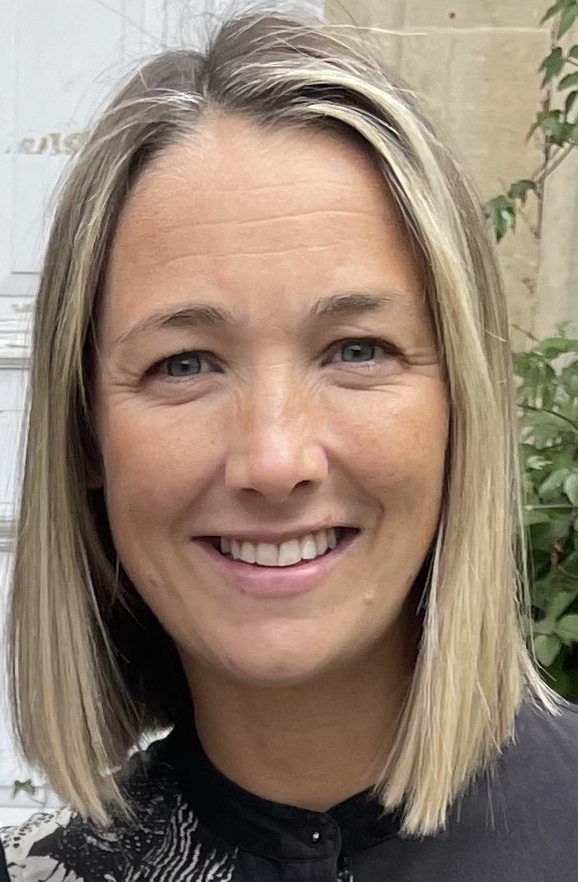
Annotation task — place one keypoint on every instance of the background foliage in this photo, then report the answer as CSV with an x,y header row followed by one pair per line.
x,y
547,377
548,399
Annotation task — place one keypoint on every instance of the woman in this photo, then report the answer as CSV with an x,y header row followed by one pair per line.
x,y
270,497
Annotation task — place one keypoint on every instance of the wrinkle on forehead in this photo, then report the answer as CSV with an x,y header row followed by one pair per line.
x,y
247,213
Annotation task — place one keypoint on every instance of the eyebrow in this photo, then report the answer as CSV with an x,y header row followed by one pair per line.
x,y
204,315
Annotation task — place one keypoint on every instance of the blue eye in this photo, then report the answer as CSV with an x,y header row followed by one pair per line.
x,y
185,364
359,351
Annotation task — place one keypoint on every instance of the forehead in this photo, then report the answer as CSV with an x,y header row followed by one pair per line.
x,y
238,208
229,156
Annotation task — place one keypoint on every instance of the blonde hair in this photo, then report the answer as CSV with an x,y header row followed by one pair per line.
x,y
85,654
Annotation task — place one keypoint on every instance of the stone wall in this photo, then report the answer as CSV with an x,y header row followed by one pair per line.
x,y
475,64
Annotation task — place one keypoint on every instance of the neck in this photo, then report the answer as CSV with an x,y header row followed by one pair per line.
x,y
312,745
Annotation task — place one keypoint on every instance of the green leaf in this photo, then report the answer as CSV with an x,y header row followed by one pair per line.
x,y
26,787
562,458
545,535
567,19
554,10
501,211
571,567
552,486
568,378
554,346
537,462
544,627
550,121
559,603
535,517
573,53
571,487
572,136
547,648
556,129
569,81
540,587
570,100
520,189
567,629
552,65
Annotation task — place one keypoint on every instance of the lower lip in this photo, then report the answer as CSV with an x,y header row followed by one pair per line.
x,y
258,581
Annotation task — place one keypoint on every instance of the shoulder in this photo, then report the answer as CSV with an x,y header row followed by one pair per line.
x,y
65,846
27,848
546,741
533,788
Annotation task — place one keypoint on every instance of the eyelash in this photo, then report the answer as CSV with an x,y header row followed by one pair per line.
x,y
388,349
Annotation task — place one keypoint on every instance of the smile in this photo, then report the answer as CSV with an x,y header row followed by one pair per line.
x,y
286,554
293,566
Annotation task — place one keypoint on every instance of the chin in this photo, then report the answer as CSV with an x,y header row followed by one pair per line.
x,y
278,665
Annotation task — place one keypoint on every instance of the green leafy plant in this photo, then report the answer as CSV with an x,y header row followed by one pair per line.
x,y
548,400
547,376
556,123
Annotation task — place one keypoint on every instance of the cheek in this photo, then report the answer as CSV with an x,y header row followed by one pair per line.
x,y
156,460
397,441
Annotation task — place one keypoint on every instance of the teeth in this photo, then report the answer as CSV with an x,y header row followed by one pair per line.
x,y
248,552
267,555
288,553
309,548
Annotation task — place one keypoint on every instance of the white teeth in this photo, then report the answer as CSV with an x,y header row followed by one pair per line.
x,y
286,554
289,553
309,548
267,555
321,541
248,552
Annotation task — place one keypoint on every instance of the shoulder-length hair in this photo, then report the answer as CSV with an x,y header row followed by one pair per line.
x,y
89,663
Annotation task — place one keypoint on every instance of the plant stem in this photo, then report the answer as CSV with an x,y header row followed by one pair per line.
x,y
551,412
568,575
549,167
549,505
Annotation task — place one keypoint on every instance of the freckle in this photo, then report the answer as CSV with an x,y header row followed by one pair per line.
x,y
369,600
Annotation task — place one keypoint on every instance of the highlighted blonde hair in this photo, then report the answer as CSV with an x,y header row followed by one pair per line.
x,y
89,664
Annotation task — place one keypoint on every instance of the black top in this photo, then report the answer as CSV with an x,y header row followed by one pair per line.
x,y
519,824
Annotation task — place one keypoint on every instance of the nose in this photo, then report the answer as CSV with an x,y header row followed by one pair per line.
x,y
275,446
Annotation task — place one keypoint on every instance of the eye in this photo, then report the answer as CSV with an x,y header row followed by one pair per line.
x,y
184,364
361,351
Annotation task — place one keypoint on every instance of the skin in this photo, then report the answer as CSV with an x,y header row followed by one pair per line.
x,y
295,697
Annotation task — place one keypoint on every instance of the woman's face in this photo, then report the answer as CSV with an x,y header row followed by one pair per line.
x,y
268,383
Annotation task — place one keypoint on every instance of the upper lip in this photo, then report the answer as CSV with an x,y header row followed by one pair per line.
x,y
273,537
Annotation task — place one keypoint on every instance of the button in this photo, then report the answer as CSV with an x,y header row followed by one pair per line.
x,y
315,837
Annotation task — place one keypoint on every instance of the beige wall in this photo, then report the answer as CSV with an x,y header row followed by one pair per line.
x,y
475,63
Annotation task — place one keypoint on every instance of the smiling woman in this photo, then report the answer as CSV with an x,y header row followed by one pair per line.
x,y
271,496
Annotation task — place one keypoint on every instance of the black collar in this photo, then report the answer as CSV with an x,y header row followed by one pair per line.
x,y
271,829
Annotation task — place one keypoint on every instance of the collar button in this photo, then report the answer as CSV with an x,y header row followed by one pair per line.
x,y
316,836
